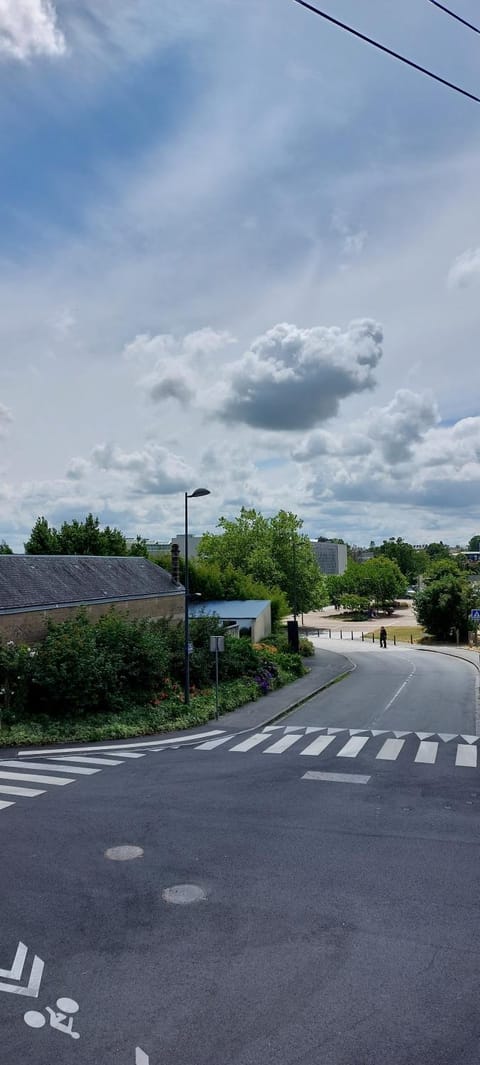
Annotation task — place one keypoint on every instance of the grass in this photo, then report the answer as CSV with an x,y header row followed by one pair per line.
x,y
401,632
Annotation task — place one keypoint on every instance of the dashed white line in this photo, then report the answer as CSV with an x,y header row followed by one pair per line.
x,y
336,778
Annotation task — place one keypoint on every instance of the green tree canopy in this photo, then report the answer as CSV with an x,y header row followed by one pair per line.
x,y
445,601
474,543
5,549
272,552
80,538
409,559
437,550
377,582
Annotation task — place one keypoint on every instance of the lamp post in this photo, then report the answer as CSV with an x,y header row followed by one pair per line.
x,y
193,495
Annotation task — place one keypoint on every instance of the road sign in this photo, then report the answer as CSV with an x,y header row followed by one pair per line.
x,y
32,988
190,648
475,614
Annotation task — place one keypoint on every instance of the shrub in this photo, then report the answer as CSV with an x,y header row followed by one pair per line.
x,y
306,647
290,663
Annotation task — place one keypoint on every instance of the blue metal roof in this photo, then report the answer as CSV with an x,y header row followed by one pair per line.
x,y
230,608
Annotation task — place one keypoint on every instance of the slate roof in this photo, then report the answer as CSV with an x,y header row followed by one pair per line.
x,y
35,581
230,608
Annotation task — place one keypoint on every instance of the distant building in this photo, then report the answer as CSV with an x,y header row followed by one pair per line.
x,y
193,543
36,588
155,548
331,558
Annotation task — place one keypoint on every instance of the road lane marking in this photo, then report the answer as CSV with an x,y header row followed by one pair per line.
x,y
466,755
470,739
391,750
33,778
30,793
353,747
318,745
3,805
447,736
85,758
211,744
113,747
336,778
47,765
252,741
282,745
427,752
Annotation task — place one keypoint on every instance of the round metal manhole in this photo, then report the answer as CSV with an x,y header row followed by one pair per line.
x,y
183,894
123,854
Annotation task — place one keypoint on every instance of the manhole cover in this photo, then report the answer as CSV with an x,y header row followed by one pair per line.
x,y
124,854
183,894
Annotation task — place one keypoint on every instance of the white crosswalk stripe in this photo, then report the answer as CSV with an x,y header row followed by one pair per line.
x,y
466,755
86,758
27,793
247,744
427,752
353,747
282,745
318,746
391,750
81,770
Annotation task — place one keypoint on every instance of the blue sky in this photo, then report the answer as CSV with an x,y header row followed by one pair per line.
x,y
237,245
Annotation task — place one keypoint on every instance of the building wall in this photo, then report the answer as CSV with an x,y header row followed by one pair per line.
x,y
331,558
193,542
30,626
262,626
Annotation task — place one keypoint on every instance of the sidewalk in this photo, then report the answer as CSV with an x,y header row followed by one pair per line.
x,y
325,667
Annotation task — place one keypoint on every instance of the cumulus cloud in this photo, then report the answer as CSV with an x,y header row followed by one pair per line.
x,y
29,28
173,363
294,378
465,269
77,469
154,470
402,423
6,418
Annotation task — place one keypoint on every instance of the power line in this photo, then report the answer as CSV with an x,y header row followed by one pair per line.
x,y
454,15
383,48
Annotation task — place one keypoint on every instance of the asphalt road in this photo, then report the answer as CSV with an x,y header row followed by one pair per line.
x,y
339,923
400,689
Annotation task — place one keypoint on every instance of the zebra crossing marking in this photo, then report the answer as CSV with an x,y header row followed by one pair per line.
x,y
427,752
391,750
282,745
81,770
318,745
353,747
466,755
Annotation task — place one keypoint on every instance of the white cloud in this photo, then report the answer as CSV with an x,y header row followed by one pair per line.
x,y
154,470
294,378
173,364
465,269
29,28
6,418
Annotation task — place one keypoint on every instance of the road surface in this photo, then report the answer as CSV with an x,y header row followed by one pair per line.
x,y
335,923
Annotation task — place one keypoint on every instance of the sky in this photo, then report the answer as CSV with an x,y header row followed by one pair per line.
x,y
240,250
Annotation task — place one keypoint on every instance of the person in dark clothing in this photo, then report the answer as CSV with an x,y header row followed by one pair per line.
x,y
383,636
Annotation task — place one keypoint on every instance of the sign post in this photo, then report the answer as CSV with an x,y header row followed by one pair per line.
x,y
475,614
217,644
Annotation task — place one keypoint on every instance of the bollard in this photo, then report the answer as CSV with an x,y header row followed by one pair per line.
x,y
329,634
352,634
373,637
411,638
394,639
363,638
341,634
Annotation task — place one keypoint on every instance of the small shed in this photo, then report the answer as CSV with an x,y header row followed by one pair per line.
x,y
252,614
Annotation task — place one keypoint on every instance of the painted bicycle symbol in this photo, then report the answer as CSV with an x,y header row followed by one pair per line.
x,y
66,1007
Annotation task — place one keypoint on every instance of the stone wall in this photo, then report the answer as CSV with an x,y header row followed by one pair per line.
x,y
30,626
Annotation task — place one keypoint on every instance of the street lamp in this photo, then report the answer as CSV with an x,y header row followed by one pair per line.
x,y
193,495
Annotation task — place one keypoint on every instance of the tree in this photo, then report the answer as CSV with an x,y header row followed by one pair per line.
x,y
474,543
43,540
139,547
377,582
5,549
445,601
76,538
437,550
411,561
271,551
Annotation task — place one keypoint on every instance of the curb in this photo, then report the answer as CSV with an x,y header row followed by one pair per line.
x,y
299,702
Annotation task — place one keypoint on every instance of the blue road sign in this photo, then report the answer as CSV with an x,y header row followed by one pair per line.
x,y
475,614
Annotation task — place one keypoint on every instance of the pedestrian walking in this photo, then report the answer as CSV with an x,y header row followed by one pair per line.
x,y
383,636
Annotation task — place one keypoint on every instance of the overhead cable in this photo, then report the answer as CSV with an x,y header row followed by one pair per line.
x,y
389,51
454,15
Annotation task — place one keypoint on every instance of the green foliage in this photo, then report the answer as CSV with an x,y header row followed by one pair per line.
x,y
80,538
474,543
377,582
272,552
211,580
307,650
445,601
5,549
410,561
437,550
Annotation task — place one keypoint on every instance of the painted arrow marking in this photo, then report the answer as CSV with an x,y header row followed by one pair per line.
x,y
31,990
141,1058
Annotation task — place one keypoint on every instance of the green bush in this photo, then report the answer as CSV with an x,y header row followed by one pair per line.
x,y
290,663
307,649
